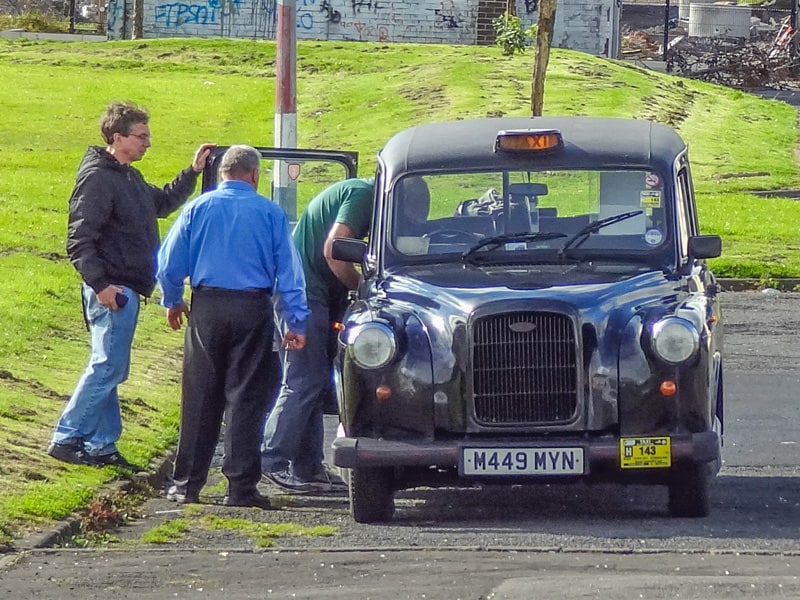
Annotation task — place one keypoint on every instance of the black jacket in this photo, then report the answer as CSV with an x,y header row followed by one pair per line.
x,y
113,236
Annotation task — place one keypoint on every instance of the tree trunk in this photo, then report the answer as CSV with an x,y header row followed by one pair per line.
x,y
544,37
138,19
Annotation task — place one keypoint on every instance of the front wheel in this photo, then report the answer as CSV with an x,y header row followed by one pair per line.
x,y
371,495
689,492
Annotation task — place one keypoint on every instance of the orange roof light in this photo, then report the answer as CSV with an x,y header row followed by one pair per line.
x,y
528,140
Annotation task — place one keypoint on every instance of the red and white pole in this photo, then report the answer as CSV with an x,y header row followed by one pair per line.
x,y
284,190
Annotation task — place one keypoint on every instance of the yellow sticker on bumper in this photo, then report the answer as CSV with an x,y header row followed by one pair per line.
x,y
645,453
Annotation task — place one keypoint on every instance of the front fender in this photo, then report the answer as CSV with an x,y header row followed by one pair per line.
x,y
395,400
644,407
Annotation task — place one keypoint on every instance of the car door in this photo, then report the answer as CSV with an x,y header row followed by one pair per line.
x,y
291,176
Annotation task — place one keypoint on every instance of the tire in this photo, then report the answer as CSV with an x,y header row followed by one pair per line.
x,y
689,492
371,495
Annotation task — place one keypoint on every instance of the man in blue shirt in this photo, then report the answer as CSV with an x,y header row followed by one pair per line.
x,y
235,246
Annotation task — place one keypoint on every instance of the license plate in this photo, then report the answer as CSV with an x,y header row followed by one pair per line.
x,y
645,453
522,461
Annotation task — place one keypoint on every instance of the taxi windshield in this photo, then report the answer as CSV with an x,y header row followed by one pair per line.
x,y
447,216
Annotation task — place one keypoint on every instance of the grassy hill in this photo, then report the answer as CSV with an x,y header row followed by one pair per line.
x,y
351,96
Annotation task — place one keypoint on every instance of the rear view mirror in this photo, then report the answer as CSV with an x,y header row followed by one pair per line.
x,y
527,189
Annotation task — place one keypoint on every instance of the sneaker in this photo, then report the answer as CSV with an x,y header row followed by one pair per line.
x,y
330,481
179,495
70,452
254,500
287,481
114,459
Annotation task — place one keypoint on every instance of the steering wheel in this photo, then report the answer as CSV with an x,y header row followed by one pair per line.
x,y
452,236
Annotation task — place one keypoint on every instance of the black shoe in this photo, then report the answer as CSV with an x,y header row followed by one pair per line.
x,y
71,452
114,459
289,483
330,481
180,495
254,500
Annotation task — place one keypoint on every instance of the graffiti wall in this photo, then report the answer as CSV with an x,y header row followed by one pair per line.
x,y
580,24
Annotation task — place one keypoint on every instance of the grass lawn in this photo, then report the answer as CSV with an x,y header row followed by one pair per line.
x,y
351,96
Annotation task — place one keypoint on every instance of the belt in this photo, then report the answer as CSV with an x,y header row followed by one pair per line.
x,y
209,288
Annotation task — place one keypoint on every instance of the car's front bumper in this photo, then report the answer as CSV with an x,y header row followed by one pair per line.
x,y
602,453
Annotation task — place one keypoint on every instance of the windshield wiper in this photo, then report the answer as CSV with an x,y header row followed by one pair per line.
x,y
499,240
593,227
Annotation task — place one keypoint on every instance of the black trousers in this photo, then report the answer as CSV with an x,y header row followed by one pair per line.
x,y
230,372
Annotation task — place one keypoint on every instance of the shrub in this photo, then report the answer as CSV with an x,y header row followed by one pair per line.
x,y
35,22
510,35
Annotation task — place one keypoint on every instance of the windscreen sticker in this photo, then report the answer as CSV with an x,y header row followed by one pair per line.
x,y
653,237
652,180
512,246
650,199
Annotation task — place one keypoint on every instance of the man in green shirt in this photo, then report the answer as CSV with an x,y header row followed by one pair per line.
x,y
292,451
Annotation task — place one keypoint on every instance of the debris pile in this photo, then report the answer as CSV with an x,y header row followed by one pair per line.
x,y
737,63
768,58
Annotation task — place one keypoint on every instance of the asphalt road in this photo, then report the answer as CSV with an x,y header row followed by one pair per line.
x,y
499,542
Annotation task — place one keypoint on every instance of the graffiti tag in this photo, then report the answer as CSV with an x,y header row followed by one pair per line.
x,y
447,15
176,14
365,4
334,16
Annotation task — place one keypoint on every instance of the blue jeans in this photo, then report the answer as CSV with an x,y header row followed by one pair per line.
x,y
93,413
294,432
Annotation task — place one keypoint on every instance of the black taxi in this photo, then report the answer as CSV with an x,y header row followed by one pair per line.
x,y
535,307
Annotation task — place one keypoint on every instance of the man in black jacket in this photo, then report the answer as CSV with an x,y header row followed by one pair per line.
x,y
112,240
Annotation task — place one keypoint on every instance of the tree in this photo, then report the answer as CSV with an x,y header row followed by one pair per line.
x,y
544,37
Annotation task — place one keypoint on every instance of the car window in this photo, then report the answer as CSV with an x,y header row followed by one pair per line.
x,y
291,177
441,214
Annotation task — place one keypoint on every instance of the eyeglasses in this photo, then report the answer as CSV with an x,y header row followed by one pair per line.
x,y
145,137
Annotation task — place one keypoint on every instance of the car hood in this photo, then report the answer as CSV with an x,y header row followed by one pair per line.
x,y
445,300
462,289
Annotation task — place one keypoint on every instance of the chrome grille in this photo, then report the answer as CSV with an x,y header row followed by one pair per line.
x,y
525,369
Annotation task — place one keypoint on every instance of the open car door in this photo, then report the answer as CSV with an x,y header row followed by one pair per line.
x,y
303,173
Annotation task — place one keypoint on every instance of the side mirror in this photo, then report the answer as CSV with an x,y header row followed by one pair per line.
x,y
349,250
705,246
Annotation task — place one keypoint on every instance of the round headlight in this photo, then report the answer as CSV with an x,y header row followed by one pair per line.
x,y
372,345
675,340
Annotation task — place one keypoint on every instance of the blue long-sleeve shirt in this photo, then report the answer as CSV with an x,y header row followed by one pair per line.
x,y
234,238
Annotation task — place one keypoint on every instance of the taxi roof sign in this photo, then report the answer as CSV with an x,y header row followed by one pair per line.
x,y
528,140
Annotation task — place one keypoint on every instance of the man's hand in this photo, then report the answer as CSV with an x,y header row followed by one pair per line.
x,y
294,341
201,156
175,315
108,296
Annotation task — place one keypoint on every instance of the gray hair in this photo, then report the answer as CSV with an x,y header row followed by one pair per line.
x,y
240,160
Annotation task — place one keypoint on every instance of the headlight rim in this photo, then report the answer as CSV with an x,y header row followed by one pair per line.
x,y
358,331
658,330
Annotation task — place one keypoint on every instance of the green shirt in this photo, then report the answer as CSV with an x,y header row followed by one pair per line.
x,y
348,202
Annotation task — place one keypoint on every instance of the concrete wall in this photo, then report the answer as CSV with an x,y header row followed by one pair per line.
x,y
580,24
